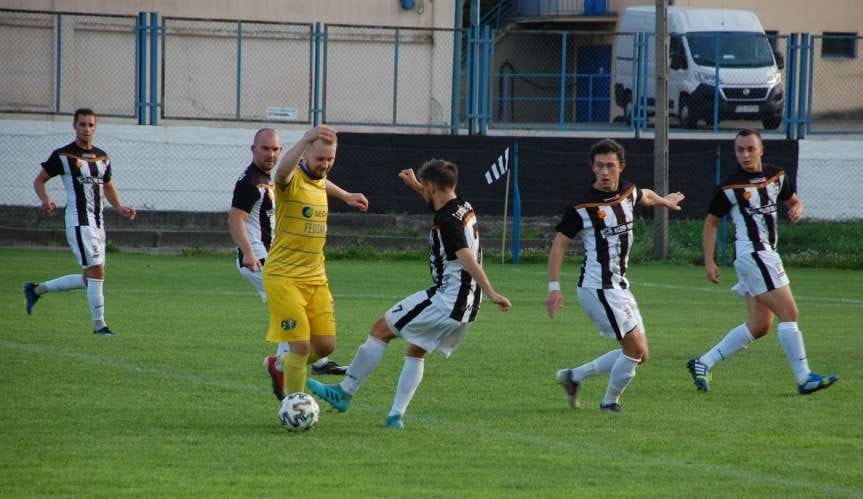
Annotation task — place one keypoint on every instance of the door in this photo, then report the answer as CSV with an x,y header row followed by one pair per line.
x,y
593,84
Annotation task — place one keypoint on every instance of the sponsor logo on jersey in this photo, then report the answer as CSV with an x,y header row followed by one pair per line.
x,y
747,195
308,211
757,180
289,324
761,210
617,230
90,180
600,214
313,228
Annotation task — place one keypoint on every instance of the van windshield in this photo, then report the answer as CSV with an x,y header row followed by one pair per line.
x,y
736,49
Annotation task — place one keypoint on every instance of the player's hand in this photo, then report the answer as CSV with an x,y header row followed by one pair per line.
x,y
250,262
501,301
795,212
409,177
49,206
358,201
712,272
554,302
320,132
672,200
128,212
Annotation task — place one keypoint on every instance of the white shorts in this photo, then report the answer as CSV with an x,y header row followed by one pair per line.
x,y
88,244
419,322
614,311
758,273
256,279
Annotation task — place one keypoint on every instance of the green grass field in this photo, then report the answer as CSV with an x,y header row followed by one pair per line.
x,y
177,404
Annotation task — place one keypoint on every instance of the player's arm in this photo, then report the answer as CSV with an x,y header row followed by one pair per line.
x,y
237,226
708,242
670,201
291,158
795,208
555,262
39,186
410,179
468,261
114,198
355,199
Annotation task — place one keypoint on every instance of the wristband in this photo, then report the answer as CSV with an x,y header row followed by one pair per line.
x,y
553,286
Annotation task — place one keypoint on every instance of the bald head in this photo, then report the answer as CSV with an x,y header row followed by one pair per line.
x,y
266,148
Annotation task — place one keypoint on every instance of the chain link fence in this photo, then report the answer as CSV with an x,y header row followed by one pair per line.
x,y
237,70
55,63
836,66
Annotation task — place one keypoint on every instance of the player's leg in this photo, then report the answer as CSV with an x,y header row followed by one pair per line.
x,y
94,275
781,302
409,381
634,352
323,325
33,291
288,323
571,379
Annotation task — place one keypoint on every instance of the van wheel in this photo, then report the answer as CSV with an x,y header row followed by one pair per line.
x,y
684,113
771,122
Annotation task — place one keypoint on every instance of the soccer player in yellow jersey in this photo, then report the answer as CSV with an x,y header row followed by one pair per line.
x,y
295,281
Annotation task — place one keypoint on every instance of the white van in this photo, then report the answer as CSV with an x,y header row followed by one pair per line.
x,y
750,82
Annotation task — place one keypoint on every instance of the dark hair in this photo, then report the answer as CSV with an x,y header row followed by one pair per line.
x,y
440,172
746,132
606,146
83,111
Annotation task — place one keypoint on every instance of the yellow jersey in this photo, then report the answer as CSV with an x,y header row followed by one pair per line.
x,y
297,251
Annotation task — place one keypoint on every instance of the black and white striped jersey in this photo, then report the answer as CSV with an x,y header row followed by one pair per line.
x,y
752,199
83,172
253,193
454,290
605,220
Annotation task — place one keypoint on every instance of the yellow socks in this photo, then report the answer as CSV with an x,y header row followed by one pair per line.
x,y
295,372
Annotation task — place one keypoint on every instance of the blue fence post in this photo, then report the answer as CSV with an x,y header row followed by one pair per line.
x,y
154,71
636,78
471,87
516,208
802,86
716,60
239,65
59,61
562,100
141,65
456,72
396,79
790,88
485,96
489,66
316,102
808,116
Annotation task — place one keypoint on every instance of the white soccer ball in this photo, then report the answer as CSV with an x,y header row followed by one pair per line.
x,y
299,412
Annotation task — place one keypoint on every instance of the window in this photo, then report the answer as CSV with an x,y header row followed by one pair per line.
x,y
677,56
773,38
839,45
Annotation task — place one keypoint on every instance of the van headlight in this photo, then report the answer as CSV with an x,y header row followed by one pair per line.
x,y
774,79
708,78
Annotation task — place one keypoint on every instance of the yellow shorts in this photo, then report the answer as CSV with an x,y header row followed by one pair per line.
x,y
298,311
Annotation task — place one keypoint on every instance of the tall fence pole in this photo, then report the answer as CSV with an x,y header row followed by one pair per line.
x,y
790,88
396,78
316,100
660,140
239,66
141,64
59,61
516,208
456,69
154,68
802,85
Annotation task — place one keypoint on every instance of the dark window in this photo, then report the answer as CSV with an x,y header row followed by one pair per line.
x,y
842,45
677,55
773,38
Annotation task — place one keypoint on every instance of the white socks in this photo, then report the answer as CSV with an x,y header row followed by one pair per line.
x,y
598,366
65,283
368,356
792,342
409,380
736,340
622,373
96,300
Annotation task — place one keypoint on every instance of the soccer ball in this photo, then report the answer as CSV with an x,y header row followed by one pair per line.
x,y
299,412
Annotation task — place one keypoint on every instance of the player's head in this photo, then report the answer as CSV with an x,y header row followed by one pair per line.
x,y
84,122
748,148
319,157
437,176
266,149
607,160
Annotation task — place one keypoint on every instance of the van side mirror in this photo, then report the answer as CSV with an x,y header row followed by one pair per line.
x,y
780,59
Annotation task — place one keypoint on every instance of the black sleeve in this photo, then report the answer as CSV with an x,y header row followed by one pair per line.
x,y
245,196
788,189
571,224
107,177
719,205
53,166
638,194
452,233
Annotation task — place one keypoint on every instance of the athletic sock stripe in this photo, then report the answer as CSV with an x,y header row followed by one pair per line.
x,y
80,242
764,273
609,313
412,314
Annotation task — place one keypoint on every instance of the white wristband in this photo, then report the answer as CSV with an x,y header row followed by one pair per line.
x,y
553,286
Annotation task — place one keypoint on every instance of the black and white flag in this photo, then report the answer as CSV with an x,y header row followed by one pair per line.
x,y
498,168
